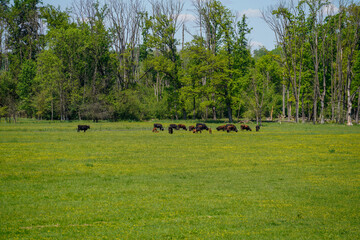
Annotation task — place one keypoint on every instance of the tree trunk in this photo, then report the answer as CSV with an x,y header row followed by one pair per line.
x,y
339,61
332,99
322,119
316,86
349,108
206,113
349,97
176,113
52,109
332,87
213,108
229,112
288,105
315,104
257,116
302,108
297,110
283,102
358,108
325,69
260,113
194,108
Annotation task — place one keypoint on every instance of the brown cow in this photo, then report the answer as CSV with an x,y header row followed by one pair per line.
x,y
155,130
191,128
182,126
245,127
230,128
222,127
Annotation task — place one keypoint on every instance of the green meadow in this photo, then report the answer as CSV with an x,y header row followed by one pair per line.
x,y
122,181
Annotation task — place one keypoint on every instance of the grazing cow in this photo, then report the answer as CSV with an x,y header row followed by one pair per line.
x,y
202,126
191,128
83,128
196,130
257,128
158,125
182,126
174,126
222,127
170,130
155,130
245,127
231,127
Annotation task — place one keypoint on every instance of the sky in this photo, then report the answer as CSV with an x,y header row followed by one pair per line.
x,y
261,34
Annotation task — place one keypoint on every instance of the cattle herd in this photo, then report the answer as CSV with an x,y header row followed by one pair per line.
x,y
201,127
195,129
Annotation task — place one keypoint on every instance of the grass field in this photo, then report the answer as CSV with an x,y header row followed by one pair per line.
x,y
121,181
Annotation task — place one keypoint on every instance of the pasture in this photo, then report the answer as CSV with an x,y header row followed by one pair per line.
x,y
122,181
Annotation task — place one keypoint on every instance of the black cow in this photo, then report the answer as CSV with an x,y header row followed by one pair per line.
x,y
245,127
170,130
231,127
158,125
257,128
174,126
83,128
202,126
191,128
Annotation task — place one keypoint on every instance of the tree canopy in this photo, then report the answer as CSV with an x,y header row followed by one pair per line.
x,y
123,60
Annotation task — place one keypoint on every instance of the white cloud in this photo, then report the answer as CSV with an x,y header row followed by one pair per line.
x,y
187,17
250,13
256,44
330,9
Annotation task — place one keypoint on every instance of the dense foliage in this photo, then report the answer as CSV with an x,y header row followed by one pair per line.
x,y
122,60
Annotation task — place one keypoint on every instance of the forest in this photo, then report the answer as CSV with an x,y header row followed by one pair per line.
x,y
123,60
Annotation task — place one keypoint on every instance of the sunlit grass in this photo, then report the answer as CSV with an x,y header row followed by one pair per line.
x,y
120,180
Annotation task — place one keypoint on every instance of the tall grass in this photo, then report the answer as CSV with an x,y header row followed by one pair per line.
x,y
120,180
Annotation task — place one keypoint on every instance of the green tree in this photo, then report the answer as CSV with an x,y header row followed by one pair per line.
x,y
265,84
165,59
198,64
288,24
351,42
23,27
25,86
315,20
4,8
51,86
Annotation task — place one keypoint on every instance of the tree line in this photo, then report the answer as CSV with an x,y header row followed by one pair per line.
x,y
123,60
